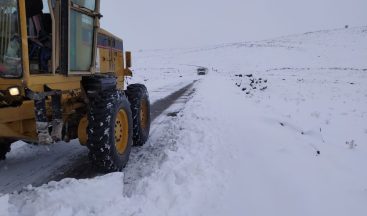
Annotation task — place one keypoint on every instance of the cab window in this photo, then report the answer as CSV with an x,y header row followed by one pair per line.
x,y
81,41
10,41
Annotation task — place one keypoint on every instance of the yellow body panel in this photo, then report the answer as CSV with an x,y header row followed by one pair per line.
x,y
111,61
104,59
18,122
11,114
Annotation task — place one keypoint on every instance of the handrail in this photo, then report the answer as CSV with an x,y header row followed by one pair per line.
x,y
53,65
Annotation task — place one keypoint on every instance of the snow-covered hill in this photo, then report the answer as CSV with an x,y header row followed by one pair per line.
x,y
277,127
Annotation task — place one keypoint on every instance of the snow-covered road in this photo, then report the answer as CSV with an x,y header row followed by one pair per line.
x,y
277,127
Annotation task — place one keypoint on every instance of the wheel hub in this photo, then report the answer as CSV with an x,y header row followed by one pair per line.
x,y
121,131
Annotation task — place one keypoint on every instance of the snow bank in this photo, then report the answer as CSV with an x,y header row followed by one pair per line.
x,y
68,197
4,205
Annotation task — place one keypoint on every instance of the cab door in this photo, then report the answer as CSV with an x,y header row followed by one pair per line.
x,y
83,27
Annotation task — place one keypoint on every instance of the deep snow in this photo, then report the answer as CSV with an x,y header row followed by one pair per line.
x,y
296,147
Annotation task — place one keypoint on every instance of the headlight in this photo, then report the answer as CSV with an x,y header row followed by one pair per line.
x,y
14,91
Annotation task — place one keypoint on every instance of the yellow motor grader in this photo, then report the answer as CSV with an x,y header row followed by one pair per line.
x,y
62,78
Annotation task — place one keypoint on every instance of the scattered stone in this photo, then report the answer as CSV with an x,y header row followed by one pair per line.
x,y
351,144
172,114
251,83
282,124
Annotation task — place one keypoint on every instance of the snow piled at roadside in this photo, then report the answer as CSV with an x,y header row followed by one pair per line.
x,y
68,197
297,147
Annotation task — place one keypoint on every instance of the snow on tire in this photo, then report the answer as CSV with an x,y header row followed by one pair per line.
x,y
140,108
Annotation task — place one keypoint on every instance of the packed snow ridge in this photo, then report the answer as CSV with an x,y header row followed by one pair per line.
x,y
277,127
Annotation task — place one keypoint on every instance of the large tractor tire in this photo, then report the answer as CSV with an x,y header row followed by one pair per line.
x,y
109,131
4,148
140,108
110,123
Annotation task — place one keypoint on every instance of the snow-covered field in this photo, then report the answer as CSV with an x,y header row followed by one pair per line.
x,y
277,127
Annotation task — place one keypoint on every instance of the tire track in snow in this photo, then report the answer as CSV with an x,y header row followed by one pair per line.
x,y
146,159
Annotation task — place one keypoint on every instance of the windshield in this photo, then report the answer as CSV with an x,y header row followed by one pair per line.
x,y
10,41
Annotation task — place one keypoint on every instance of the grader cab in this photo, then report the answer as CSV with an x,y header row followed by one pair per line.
x,y
62,77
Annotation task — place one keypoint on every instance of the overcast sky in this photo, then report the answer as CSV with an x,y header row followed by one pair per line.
x,y
149,24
